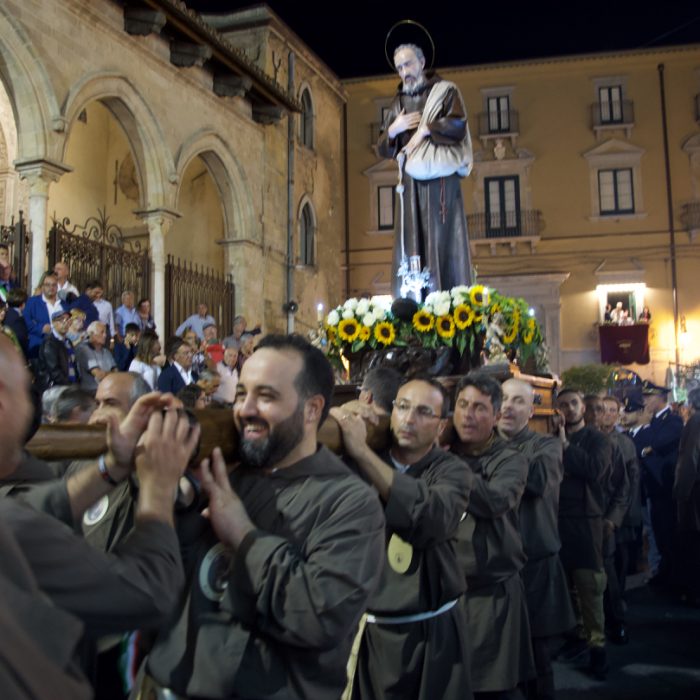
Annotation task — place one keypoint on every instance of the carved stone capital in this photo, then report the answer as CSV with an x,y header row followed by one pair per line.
x,y
40,173
186,54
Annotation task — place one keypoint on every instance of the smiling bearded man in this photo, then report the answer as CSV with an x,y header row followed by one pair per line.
x,y
281,573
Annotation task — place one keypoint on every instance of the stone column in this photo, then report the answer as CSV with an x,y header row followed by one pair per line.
x,y
39,174
159,222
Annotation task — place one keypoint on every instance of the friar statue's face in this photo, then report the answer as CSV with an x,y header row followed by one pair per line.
x,y
410,68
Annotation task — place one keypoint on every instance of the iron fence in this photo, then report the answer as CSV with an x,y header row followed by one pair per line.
x,y
16,238
187,285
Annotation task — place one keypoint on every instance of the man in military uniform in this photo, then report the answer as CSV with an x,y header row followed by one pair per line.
x,y
489,543
415,642
107,593
582,504
282,562
547,593
659,454
686,491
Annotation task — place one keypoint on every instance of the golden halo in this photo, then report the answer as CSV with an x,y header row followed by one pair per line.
x,y
389,59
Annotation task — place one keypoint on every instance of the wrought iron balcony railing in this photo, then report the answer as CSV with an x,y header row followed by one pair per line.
x,y
503,123
618,113
509,224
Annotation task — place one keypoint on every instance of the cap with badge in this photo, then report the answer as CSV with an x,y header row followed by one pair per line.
x,y
651,389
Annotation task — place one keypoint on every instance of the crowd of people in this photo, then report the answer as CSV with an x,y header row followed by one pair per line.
x,y
620,316
75,339
454,560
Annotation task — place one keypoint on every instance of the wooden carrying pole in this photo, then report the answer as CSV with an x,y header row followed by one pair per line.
x,y
56,442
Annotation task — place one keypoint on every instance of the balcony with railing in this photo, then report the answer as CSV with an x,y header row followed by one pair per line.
x,y
506,228
504,124
690,218
618,114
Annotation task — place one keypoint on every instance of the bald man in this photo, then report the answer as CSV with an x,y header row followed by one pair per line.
x,y
546,589
44,559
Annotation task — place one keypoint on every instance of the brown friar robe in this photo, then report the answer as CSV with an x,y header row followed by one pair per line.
x,y
491,553
277,618
137,586
546,589
39,641
434,223
429,658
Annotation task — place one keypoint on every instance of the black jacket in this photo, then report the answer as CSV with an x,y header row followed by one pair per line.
x,y
53,363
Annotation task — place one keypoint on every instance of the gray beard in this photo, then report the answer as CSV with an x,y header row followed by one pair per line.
x,y
420,83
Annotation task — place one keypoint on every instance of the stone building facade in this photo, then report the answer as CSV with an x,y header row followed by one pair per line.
x,y
155,115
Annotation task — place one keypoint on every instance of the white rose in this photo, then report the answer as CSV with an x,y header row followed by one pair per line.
x,y
368,320
333,318
432,298
459,292
348,314
362,307
350,304
442,308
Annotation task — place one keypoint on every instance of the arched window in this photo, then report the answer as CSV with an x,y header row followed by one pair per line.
x,y
307,236
306,121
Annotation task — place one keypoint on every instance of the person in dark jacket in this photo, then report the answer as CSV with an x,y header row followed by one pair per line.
x,y
178,374
659,455
16,301
582,504
57,364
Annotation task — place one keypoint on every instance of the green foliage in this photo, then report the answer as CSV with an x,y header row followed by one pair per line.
x,y
589,379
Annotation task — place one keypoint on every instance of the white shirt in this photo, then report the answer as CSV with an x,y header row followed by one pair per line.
x,y
105,313
68,287
150,373
51,307
186,374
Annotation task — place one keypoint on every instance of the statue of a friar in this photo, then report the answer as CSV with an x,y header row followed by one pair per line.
x,y
426,130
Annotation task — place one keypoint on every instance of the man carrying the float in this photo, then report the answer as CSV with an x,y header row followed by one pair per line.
x,y
426,130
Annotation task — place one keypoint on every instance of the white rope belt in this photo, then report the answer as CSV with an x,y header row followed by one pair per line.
x,y
416,617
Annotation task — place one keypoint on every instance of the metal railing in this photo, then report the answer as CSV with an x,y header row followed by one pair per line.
x,y
690,215
16,238
509,224
616,113
494,123
188,284
97,250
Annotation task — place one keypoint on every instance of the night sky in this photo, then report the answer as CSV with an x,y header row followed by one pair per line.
x,y
350,37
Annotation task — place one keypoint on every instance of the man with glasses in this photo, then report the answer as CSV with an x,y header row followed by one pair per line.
x,y
38,311
414,644
178,374
489,543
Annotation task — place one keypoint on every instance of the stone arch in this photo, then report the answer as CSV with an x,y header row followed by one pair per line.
x,y
229,178
153,159
31,94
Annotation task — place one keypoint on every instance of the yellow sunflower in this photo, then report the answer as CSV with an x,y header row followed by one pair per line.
x,y
529,334
496,308
478,295
464,316
423,321
364,333
348,329
384,333
332,333
513,333
445,326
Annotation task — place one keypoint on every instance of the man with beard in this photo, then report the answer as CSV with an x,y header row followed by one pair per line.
x,y
285,556
414,645
582,502
489,544
547,594
427,123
